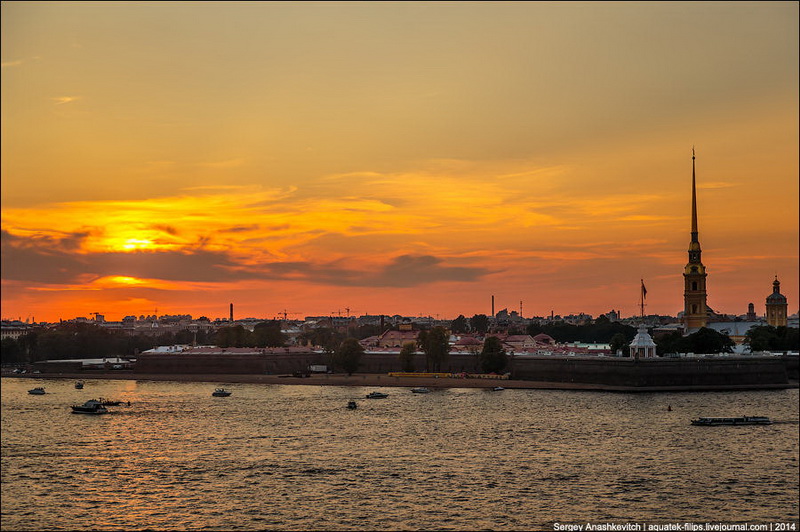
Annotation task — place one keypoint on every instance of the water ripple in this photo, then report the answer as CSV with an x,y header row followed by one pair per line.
x,y
293,458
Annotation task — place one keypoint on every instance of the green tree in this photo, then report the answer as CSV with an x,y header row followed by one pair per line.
x,y
436,345
348,355
673,342
493,357
618,341
601,331
11,352
769,338
479,323
325,337
407,354
268,334
29,343
236,336
710,341
704,341
459,325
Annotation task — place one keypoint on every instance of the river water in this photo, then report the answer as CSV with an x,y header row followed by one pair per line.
x,y
282,457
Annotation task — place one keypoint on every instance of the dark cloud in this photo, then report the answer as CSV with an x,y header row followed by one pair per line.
x,y
44,259
197,265
53,261
166,229
413,270
245,228
403,271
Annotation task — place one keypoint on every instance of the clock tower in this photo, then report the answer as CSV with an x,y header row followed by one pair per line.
x,y
695,310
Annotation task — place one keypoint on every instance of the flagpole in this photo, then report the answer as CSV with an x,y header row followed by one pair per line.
x,y
643,291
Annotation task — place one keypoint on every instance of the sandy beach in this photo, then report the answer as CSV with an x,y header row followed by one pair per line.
x,y
341,379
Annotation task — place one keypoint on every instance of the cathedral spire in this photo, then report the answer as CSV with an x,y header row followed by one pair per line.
x,y
695,312
694,203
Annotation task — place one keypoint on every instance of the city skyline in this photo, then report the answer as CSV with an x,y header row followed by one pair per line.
x,y
406,158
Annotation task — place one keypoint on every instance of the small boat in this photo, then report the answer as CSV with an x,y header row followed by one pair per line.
x,y
498,389
36,391
79,385
92,406
744,420
420,390
377,395
221,392
352,405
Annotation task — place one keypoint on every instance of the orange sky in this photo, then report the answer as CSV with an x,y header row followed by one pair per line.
x,y
406,158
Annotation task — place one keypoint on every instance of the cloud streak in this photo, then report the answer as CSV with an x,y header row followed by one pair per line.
x,y
61,100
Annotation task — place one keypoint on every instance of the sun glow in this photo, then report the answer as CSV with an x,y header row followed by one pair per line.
x,y
123,280
133,244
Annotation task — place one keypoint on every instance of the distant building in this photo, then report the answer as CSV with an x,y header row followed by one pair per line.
x,y
777,306
14,329
394,338
751,312
695,312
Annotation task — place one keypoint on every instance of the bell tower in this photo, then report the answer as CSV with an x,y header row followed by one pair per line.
x,y
695,310
777,306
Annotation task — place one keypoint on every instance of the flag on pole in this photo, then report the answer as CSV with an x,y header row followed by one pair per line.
x,y
644,290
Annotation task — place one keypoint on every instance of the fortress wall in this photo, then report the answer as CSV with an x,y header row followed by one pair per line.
x,y
652,372
792,366
586,370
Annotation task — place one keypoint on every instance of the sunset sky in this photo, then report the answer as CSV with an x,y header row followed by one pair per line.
x,y
409,158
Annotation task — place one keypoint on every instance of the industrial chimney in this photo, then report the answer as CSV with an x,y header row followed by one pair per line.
x,y
231,312
493,306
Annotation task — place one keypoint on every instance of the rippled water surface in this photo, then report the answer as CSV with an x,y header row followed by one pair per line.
x,y
294,458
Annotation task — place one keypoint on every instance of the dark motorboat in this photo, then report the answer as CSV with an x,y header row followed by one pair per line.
x,y
92,406
109,402
377,395
79,385
352,405
36,391
220,392
744,420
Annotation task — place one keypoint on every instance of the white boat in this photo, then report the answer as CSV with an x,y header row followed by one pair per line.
x,y
92,406
221,392
420,390
36,391
377,395
498,389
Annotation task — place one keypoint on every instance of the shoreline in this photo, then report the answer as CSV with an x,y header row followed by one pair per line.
x,y
383,380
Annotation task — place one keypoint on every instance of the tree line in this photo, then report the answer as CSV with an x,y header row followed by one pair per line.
x,y
434,343
88,340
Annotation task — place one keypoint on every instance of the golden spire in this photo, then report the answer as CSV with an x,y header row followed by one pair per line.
x,y
694,202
